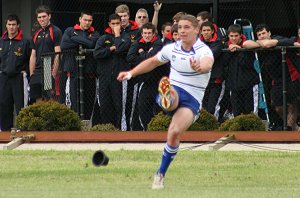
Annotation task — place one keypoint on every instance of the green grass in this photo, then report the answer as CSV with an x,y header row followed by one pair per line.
x,y
129,174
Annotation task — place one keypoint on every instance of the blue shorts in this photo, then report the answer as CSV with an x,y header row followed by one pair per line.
x,y
186,100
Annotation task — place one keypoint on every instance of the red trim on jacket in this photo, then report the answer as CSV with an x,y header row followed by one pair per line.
x,y
213,39
77,27
294,74
37,33
18,37
241,43
134,25
108,30
216,27
218,81
152,40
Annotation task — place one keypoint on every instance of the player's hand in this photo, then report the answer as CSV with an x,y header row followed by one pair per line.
x,y
195,64
124,76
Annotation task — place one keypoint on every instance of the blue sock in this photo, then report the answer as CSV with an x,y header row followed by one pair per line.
x,y
167,157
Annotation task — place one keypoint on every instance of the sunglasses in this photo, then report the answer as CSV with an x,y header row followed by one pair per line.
x,y
141,17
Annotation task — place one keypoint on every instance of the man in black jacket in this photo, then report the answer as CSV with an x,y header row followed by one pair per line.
x,y
139,51
14,59
130,28
272,62
85,35
216,87
110,53
242,78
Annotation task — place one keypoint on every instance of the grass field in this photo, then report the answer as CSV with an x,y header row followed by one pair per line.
x,y
129,174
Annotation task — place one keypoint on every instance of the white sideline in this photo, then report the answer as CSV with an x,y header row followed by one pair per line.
x,y
156,146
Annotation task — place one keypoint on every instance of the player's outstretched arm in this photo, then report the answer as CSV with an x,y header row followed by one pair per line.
x,y
144,67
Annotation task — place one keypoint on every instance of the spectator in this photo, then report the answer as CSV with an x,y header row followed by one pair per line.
x,y
206,16
216,87
242,78
141,17
140,50
272,62
177,16
110,53
174,32
14,59
85,35
165,30
45,40
128,26
130,88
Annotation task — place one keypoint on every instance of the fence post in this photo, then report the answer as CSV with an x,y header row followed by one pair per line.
x,y
284,105
80,59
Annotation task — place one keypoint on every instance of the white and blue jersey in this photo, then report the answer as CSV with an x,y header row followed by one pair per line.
x,y
182,74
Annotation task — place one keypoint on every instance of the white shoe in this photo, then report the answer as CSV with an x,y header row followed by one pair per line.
x,y
158,182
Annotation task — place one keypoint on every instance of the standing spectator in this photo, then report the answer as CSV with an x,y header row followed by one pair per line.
x,y
85,35
272,62
140,50
242,78
128,26
165,31
216,87
182,94
174,32
14,59
110,53
130,88
141,17
177,16
225,106
45,40
206,16
296,59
